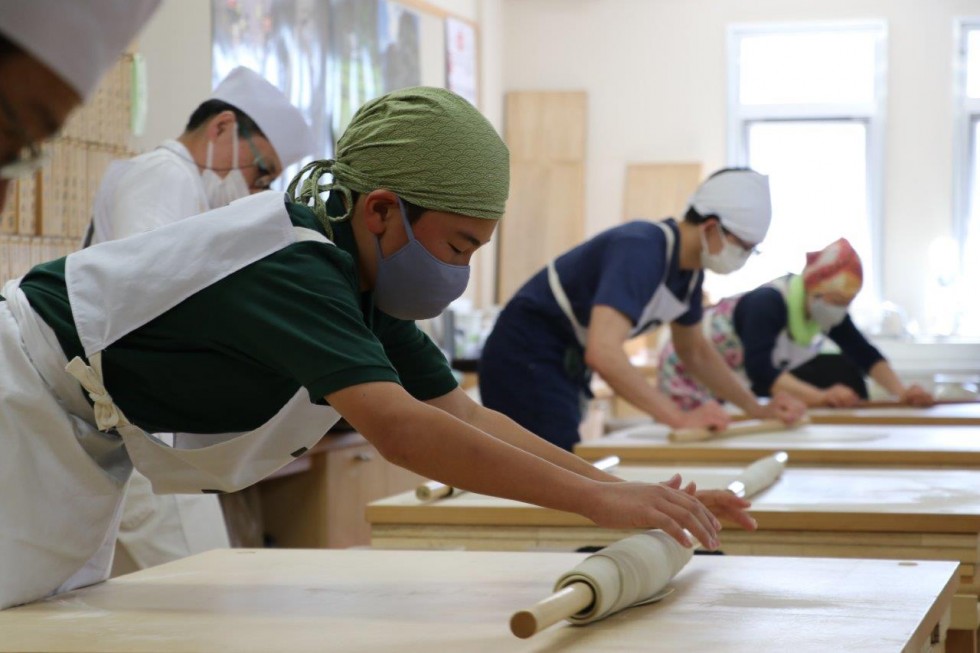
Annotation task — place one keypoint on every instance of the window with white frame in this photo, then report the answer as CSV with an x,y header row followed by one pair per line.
x,y
966,139
806,107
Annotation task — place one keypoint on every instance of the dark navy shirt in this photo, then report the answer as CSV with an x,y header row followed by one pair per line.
x,y
761,315
621,267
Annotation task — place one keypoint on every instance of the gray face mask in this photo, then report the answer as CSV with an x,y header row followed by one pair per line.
x,y
412,284
825,314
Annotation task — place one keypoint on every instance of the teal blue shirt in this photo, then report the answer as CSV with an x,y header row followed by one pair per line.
x,y
229,357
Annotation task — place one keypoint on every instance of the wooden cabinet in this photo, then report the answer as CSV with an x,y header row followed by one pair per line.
x,y
318,501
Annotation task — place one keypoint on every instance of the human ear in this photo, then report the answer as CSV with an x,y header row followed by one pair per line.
x,y
220,124
380,209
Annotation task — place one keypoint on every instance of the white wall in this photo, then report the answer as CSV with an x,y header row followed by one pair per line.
x,y
655,71
177,48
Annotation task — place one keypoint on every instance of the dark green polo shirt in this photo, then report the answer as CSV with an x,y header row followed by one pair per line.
x,y
229,357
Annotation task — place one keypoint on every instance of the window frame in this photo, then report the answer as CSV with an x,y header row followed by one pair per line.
x,y
871,114
966,124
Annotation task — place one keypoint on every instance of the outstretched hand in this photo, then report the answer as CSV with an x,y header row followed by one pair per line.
x,y
785,407
724,504
916,395
655,505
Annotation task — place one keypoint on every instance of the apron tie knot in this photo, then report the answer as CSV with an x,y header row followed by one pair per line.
x,y
107,415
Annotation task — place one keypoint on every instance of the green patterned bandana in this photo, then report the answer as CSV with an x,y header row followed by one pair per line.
x,y
426,145
801,330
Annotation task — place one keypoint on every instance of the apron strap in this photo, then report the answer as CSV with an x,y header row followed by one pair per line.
x,y
107,414
303,235
581,332
554,282
669,235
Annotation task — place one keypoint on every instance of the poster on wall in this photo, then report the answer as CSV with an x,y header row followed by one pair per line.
x,y
328,56
353,61
282,40
401,46
461,64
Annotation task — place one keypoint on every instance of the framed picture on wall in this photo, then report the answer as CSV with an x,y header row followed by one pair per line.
x,y
331,56
286,42
461,59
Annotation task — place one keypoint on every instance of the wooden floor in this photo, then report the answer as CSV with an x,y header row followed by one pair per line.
x,y
415,601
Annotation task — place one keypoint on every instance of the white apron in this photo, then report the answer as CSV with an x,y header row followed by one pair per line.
x,y
156,528
68,477
662,308
64,480
121,285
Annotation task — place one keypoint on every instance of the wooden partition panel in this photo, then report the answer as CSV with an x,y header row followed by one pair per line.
x,y
545,132
659,190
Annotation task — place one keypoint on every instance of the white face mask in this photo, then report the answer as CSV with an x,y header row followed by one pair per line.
x,y
730,258
825,314
221,192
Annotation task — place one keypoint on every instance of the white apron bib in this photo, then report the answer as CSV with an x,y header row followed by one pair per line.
x,y
662,308
121,285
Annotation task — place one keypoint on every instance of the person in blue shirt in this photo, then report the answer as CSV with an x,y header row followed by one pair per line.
x,y
573,317
772,337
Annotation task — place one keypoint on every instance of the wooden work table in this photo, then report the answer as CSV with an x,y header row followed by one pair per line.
x,y
853,512
963,414
318,500
815,444
422,601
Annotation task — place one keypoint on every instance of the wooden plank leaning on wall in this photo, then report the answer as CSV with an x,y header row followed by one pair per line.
x,y
545,215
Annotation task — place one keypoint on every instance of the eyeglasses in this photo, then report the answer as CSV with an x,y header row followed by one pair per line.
x,y
265,178
31,157
750,249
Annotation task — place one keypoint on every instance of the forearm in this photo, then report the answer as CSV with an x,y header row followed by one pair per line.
x,y
629,383
808,394
885,376
708,367
434,444
503,428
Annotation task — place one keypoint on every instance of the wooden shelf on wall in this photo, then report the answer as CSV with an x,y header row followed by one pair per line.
x,y
46,215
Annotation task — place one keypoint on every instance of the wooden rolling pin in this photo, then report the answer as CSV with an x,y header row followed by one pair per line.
x,y
432,490
634,571
567,601
746,427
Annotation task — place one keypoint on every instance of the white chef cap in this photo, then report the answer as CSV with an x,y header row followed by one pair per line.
x,y
78,40
281,122
740,199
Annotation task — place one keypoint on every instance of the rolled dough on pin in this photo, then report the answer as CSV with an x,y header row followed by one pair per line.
x,y
759,475
630,572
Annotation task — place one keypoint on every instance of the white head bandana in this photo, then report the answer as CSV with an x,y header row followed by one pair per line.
x,y
740,199
281,122
78,40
